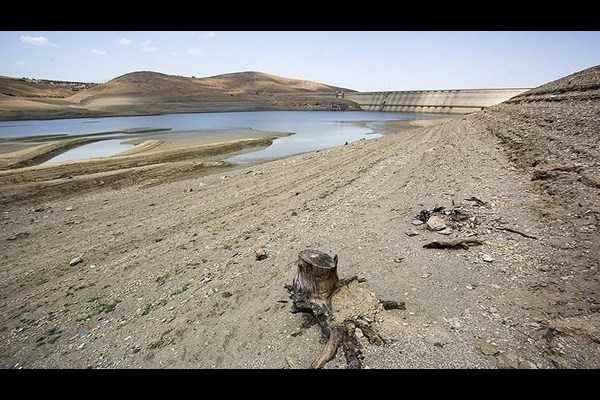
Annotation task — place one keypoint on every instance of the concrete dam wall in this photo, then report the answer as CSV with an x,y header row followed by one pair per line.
x,y
461,101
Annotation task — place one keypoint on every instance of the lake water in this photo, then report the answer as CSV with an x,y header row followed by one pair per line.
x,y
313,130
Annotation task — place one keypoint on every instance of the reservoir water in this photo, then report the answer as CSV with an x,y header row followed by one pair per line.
x,y
312,130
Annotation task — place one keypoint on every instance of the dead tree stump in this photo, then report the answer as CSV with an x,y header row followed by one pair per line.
x,y
316,276
315,283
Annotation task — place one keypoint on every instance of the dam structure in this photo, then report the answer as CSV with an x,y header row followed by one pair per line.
x,y
460,101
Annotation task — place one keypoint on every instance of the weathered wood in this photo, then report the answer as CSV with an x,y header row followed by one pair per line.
x,y
513,230
350,346
341,336
316,276
330,349
314,284
370,333
477,201
460,243
393,305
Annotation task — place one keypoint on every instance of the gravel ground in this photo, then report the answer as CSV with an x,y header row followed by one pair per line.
x,y
165,274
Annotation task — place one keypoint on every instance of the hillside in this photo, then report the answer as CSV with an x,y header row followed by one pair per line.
x,y
40,88
144,93
192,273
165,86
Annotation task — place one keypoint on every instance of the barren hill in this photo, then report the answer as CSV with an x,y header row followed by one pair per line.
x,y
147,92
40,88
162,85
254,82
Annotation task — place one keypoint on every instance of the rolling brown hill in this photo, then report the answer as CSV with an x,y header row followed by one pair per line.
x,y
40,88
147,83
146,92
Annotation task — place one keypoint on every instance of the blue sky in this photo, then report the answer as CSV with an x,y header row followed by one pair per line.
x,y
359,60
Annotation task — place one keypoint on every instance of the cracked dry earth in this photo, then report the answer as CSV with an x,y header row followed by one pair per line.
x,y
168,275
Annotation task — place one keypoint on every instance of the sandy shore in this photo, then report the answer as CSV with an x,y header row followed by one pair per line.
x,y
156,157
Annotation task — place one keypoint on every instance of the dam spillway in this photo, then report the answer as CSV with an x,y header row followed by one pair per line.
x,y
460,101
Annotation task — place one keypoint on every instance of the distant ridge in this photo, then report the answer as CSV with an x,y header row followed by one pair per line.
x,y
150,92
149,83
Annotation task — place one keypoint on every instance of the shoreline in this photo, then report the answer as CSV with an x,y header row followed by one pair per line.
x,y
24,174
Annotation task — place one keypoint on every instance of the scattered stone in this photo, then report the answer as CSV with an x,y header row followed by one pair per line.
x,y
398,259
69,209
426,275
454,322
417,222
487,258
38,209
20,235
393,305
76,261
508,362
487,348
435,223
261,253
411,233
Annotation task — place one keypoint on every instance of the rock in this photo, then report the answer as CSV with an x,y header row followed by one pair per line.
x,y
454,322
487,258
69,209
411,233
487,348
435,223
76,261
446,231
417,222
261,253
20,235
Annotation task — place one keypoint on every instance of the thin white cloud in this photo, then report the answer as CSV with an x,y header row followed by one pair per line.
x,y
125,42
148,47
194,51
21,63
98,52
210,35
36,40
174,53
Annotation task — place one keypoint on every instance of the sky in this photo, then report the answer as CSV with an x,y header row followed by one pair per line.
x,y
358,60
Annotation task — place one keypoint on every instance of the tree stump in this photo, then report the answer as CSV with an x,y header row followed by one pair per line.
x,y
316,276
315,283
